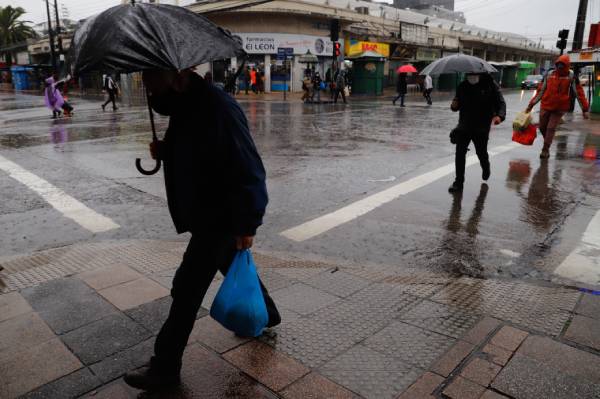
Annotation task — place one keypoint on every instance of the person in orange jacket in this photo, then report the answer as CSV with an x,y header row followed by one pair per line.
x,y
554,92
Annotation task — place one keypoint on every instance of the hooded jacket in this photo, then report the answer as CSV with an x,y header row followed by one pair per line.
x,y
555,90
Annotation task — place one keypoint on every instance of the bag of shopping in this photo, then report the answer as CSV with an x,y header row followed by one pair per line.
x,y
239,305
525,136
522,121
346,91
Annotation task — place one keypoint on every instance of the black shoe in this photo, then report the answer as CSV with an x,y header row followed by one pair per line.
x,y
485,174
402,105
455,187
104,108
393,102
147,379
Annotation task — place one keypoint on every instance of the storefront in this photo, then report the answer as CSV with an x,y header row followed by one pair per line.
x,y
370,62
262,49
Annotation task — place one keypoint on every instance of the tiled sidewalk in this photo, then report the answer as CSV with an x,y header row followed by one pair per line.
x,y
74,319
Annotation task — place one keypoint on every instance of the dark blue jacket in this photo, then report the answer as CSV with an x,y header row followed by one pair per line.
x,y
215,179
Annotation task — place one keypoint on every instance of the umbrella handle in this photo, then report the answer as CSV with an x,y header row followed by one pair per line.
x,y
138,165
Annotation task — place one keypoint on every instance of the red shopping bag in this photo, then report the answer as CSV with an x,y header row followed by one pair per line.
x,y
525,136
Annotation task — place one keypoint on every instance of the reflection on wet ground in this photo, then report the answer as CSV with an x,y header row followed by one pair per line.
x,y
460,242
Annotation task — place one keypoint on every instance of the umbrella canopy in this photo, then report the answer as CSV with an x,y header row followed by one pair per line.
x,y
458,63
406,69
137,37
308,58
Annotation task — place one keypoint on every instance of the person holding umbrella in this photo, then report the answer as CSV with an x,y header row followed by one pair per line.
x,y
401,89
214,176
480,104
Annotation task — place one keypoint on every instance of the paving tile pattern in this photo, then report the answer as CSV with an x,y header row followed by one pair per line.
x,y
69,386
410,344
527,378
67,304
12,305
145,256
543,309
303,299
584,331
95,341
339,283
370,373
315,386
440,318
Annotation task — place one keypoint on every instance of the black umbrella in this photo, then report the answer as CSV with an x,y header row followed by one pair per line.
x,y
136,37
458,63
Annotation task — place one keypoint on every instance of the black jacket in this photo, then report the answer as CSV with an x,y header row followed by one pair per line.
x,y
401,86
214,177
479,104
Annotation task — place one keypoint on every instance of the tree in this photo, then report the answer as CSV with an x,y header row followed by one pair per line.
x,y
13,31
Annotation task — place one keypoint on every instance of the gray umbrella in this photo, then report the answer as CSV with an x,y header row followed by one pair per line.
x,y
458,63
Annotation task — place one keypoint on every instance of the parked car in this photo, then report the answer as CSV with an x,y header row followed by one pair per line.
x,y
531,82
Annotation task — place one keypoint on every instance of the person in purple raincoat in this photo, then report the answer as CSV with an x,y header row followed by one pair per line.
x,y
53,97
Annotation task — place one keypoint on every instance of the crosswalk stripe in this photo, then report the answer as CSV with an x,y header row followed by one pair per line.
x,y
350,212
58,199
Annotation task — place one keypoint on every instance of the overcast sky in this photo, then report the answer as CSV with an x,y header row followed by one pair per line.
x,y
532,18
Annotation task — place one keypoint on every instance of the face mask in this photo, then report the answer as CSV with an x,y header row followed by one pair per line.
x,y
164,104
473,79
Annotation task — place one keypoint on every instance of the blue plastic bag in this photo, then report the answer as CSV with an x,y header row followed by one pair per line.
x,y
239,305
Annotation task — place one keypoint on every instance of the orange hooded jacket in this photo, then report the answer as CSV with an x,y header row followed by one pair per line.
x,y
555,89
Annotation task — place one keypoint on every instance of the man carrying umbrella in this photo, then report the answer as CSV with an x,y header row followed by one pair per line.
x,y
480,103
214,176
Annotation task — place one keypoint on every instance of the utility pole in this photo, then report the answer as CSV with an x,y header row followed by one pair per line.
x,y
580,25
60,46
578,38
51,35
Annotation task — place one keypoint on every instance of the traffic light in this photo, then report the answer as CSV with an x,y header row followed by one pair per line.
x,y
337,49
562,42
334,30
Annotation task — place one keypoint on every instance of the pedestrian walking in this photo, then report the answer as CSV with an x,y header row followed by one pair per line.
x,y
480,103
247,79
340,86
316,82
53,97
110,87
253,80
427,88
215,184
306,87
555,92
401,89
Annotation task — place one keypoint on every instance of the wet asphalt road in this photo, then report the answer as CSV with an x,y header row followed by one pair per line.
x,y
523,224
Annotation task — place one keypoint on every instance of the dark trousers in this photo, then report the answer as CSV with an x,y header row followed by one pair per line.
x,y
111,98
480,140
400,97
337,94
427,95
204,256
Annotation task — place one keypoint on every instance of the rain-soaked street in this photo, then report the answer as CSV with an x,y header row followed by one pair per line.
x,y
328,167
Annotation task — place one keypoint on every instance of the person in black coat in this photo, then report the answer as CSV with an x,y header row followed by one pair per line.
x,y
401,89
481,104
215,184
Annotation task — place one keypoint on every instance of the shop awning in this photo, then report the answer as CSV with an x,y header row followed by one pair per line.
x,y
504,64
526,65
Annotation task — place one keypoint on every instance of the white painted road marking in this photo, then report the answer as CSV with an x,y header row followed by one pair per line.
x,y
327,222
61,201
583,264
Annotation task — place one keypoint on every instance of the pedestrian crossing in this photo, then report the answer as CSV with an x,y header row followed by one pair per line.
x,y
58,199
